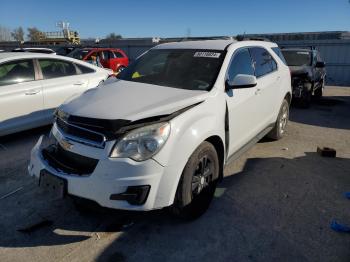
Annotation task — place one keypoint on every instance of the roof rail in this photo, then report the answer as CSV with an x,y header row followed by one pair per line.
x,y
207,38
251,38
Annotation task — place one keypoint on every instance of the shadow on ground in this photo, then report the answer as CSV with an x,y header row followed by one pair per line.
x,y
322,111
276,209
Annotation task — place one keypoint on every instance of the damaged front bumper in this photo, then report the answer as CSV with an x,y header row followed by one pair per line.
x,y
114,182
300,87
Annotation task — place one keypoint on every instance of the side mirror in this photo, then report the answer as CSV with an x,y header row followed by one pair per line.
x,y
320,64
241,81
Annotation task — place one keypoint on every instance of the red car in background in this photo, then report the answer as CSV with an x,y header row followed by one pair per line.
x,y
111,58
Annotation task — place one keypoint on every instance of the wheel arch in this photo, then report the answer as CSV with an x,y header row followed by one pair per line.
x,y
220,150
288,97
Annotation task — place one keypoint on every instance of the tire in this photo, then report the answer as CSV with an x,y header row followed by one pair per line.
x,y
319,91
305,100
121,68
279,128
197,184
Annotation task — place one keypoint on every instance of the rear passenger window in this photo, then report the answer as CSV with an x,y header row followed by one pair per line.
x,y
52,68
84,69
263,61
16,72
241,64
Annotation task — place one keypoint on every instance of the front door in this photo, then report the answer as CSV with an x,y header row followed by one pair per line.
x,y
241,103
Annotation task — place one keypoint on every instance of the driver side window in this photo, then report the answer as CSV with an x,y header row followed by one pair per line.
x,y
241,64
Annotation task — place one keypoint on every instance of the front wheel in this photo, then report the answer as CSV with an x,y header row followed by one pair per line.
x,y
319,91
198,183
121,68
279,128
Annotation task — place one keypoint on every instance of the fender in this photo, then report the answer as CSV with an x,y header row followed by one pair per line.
x,y
188,131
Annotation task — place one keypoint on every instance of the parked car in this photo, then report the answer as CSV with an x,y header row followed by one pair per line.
x,y
64,50
161,135
308,74
33,85
35,50
111,58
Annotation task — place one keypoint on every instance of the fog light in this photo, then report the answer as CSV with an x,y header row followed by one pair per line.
x,y
134,195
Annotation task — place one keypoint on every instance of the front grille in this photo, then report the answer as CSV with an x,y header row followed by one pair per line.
x,y
68,162
79,132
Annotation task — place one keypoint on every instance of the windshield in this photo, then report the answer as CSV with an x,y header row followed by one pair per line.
x,y
178,68
79,53
297,58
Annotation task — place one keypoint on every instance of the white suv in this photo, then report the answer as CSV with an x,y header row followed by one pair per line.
x,y
161,135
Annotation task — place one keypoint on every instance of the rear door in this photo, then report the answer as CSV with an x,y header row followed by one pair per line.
x,y
60,80
269,81
21,97
120,60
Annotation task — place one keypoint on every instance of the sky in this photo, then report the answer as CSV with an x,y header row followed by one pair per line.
x,y
178,18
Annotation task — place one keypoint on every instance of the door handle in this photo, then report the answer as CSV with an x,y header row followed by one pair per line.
x,y
257,91
78,83
32,92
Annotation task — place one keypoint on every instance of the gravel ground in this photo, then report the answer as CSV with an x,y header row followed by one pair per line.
x,y
275,204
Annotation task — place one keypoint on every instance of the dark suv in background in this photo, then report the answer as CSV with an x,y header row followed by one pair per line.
x,y
308,73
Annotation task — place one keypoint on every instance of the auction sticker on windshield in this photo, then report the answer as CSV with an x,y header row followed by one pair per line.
x,y
207,54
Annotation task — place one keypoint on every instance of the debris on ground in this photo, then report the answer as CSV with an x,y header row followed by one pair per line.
x,y
285,149
36,226
326,151
340,227
11,193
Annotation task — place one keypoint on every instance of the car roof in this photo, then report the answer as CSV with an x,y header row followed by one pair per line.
x,y
13,55
8,56
203,44
99,48
211,44
33,48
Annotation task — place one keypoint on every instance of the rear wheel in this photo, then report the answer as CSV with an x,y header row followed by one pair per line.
x,y
197,184
279,129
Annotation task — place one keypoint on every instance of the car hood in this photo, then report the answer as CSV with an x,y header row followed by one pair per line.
x,y
131,101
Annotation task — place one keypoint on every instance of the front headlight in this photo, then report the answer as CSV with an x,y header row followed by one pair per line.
x,y
142,143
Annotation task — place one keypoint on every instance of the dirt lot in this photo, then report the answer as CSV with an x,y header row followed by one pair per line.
x,y
275,204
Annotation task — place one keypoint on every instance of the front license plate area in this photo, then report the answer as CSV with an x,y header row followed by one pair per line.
x,y
54,185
